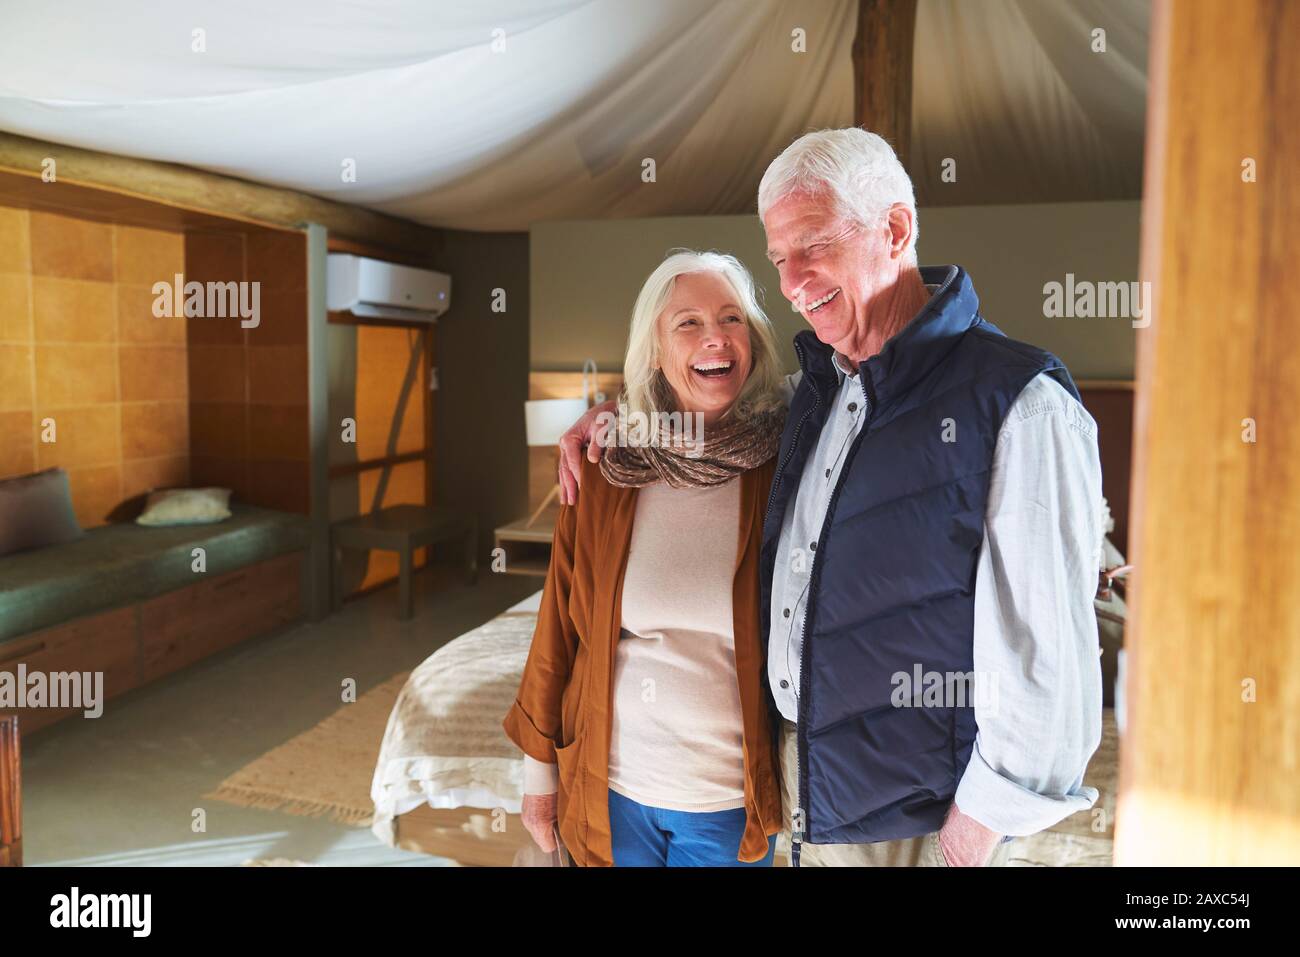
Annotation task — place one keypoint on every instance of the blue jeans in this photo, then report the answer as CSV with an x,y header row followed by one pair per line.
x,y
645,836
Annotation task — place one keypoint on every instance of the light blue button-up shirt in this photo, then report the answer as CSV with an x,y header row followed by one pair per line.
x,y
1035,628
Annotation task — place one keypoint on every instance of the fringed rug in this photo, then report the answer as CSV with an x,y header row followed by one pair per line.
x,y
323,772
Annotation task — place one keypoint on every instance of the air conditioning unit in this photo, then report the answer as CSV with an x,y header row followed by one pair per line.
x,y
377,289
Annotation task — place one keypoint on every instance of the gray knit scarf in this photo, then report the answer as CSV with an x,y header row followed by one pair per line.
x,y
731,446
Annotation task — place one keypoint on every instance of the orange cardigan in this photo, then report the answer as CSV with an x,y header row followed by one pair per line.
x,y
562,713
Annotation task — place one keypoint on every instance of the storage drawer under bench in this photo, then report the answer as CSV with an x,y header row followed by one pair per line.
x,y
139,643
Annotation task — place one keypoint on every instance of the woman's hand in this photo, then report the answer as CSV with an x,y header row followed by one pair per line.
x,y
588,432
539,812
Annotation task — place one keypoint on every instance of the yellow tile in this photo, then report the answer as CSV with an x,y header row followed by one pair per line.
x,y
217,373
149,255
150,373
15,308
83,437
140,476
278,433
155,430
73,310
282,485
277,374
17,447
136,322
96,492
219,430
15,377
71,248
15,240
277,259
75,375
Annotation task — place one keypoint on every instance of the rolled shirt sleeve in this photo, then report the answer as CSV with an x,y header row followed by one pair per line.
x,y
540,777
1035,630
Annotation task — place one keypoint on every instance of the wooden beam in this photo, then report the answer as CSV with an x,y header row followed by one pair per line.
x,y
1210,757
383,462
882,72
199,191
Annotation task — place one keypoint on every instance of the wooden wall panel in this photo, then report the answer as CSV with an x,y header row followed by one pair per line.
x,y
1211,756
248,408
1111,406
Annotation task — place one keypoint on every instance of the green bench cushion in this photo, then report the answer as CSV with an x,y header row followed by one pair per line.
x,y
122,564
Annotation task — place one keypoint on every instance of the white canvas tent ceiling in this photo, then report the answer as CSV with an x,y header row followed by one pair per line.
x,y
448,131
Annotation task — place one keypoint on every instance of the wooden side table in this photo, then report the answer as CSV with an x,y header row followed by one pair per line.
x,y
403,529
528,547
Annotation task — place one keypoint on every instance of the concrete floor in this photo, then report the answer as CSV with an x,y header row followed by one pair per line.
x,y
121,789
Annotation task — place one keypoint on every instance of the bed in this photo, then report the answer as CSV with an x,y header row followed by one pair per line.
x,y
448,781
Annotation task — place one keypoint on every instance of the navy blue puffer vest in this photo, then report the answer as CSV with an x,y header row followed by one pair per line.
x,y
893,579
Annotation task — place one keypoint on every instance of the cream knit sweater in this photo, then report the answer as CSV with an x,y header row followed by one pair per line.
x,y
677,732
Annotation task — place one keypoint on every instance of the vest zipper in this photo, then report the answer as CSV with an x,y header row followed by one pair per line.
x,y
796,829
796,838
794,441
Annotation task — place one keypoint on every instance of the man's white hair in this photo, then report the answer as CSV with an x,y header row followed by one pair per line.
x,y
857,169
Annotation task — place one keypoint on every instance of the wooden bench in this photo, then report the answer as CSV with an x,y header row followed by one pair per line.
x,y
402,529
128,602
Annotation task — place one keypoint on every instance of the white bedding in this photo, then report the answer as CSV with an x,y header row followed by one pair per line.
x,y
444,745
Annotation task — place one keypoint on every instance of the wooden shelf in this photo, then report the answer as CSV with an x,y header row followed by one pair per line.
x,y
527,547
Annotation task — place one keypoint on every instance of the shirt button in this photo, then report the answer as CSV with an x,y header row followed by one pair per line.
x,y
784,683
828,473
813,546
785,612
853,407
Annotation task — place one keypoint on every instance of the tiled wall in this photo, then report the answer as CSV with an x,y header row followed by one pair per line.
x,y
248,386
79,344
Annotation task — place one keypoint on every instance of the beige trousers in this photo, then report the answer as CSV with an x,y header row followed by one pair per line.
x,y
920,851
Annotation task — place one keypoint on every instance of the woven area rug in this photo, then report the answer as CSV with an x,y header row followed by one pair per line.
x,y
325,771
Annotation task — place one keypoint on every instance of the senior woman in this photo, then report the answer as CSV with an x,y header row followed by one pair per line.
x,y
643,711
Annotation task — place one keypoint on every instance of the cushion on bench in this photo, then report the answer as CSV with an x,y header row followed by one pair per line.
x,y
121,564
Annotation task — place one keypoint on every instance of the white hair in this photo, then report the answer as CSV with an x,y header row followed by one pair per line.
x,y
644,384
858,169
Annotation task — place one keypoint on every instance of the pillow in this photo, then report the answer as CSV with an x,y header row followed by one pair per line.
x,y
36,510
186,506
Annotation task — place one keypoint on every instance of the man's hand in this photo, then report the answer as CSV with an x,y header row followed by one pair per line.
x,y
964,841
588,432
539,813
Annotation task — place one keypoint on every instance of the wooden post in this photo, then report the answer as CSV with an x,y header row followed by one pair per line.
x,y
1210,759
11,793
882,72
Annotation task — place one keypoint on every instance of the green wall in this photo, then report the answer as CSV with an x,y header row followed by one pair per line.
x,y
586,275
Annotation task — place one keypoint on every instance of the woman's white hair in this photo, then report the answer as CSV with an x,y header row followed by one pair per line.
x,y
646,389
859,170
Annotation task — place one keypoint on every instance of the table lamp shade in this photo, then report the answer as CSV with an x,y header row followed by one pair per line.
x,y
548,419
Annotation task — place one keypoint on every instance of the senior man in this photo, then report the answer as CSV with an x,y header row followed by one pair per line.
x,y
935,518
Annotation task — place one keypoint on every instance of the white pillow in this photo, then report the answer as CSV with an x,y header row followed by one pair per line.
x,y
186,506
